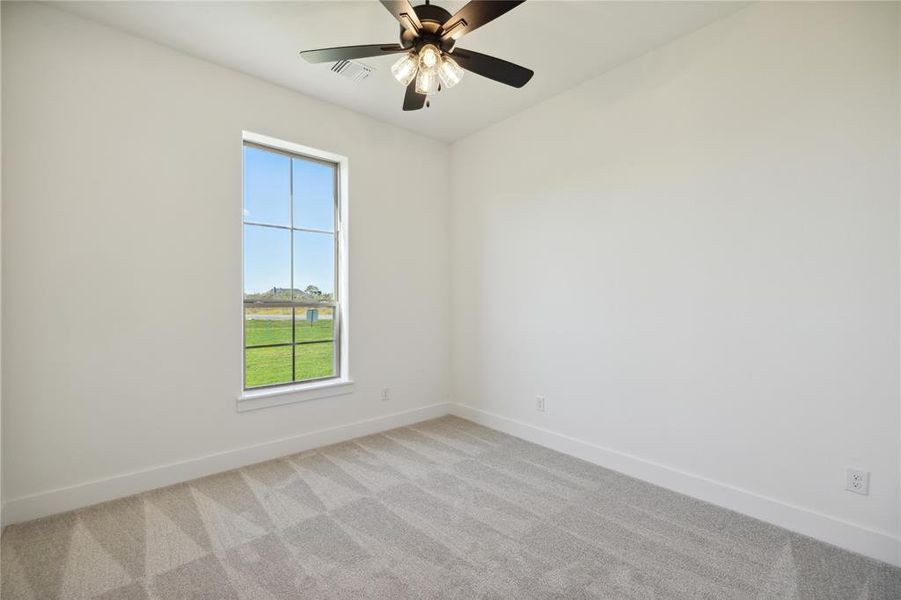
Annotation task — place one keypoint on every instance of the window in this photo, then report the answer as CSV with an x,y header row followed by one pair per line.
x,y
294,309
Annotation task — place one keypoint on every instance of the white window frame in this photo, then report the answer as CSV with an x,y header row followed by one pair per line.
x,y
324,388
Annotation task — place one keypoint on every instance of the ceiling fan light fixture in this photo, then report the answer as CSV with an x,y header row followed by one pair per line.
x,y
428,34
450,72
404,70
427,81
429,56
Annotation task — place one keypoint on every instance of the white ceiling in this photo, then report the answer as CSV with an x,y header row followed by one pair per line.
x,y
564,42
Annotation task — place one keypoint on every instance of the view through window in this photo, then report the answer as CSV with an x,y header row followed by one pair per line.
x,y
291,306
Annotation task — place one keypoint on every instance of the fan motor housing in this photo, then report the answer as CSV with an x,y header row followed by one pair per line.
x,y
431,17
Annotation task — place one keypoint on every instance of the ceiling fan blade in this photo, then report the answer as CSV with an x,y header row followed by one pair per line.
x,y
404,13
350,52
474,15
492,68
412,100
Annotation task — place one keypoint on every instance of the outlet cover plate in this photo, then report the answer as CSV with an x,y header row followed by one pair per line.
x,y
858,482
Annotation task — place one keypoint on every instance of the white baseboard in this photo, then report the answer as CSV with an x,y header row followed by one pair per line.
x,y
60,500
875,544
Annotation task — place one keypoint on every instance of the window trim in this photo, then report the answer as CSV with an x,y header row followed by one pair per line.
x,y
263,396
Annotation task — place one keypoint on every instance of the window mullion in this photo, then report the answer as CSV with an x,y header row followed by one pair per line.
x,y
293,308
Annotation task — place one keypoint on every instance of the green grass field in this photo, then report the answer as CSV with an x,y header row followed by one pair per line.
x,y
267,366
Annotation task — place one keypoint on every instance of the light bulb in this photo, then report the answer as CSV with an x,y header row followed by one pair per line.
x,y
450,72
427,81
429,56
404,70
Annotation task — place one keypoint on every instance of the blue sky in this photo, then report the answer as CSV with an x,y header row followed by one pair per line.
x,y
267,199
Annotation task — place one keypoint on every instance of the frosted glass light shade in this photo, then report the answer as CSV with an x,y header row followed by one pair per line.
x,y
427,81
429,56
450,72
404,70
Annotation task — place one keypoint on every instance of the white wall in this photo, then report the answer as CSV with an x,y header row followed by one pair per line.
x,y
1,276
122,262
695,258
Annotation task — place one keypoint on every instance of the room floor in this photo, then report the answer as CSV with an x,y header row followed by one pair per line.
x,y
441,509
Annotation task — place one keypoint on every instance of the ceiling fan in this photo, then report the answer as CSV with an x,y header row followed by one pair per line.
x,y
428,37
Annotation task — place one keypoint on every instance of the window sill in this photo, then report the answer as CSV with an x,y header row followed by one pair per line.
x,y
289,394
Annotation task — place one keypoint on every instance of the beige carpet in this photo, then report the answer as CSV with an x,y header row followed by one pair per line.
x,y
443,509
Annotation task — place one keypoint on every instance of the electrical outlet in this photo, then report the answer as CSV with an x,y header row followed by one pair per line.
x,y
540,404
858,482
386,394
